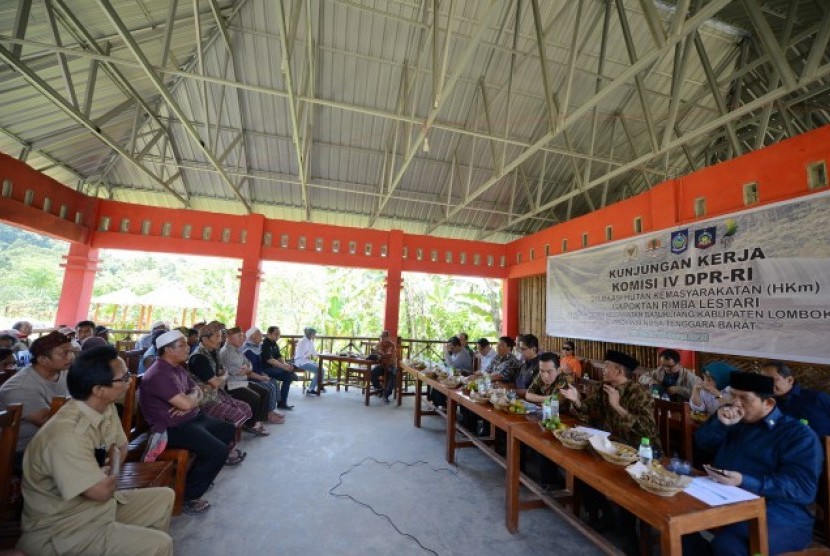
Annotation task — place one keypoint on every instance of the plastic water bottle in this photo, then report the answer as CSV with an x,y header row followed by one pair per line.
x,y
655,392
665,397
646,454
554,407
546,410
487,382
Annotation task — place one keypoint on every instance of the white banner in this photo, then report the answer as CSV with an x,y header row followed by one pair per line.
x,y
753,283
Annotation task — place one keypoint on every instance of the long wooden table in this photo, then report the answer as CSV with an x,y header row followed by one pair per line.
x,y
673,517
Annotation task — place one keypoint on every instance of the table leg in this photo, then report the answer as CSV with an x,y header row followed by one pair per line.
x,y
368,379
511,517
418,386
670,543
399,384
758,542
320,376
339,374
450,430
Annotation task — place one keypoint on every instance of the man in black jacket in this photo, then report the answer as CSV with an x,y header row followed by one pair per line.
x,y
274,365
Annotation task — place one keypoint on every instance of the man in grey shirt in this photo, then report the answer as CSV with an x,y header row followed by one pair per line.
x,y
35,385
456,355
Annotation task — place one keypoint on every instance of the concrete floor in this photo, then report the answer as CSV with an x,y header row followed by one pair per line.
x,y
318,483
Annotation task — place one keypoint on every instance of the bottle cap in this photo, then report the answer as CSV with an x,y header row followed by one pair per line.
x,y
645,441
804,421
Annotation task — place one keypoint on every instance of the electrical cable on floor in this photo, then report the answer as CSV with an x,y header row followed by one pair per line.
x,y
452,471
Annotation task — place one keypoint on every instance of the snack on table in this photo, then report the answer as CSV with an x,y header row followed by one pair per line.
x,y
572,438
658,480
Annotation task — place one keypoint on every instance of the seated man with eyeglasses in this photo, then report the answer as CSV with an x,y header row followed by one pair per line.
x,y
70,501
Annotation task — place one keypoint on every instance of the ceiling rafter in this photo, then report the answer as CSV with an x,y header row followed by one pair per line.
x,y
43,88
647,59
168,97
706,128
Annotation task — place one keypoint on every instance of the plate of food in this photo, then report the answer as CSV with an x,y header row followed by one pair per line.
x,y
613,452
451,381
478,398
658,480
574,439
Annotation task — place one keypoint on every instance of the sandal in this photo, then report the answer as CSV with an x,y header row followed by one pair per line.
x,y
235,458
197,506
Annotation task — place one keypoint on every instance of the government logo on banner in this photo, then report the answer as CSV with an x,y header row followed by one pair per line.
x,y
679,241
706,238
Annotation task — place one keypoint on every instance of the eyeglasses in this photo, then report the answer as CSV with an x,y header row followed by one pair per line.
x,y
525,348
567,349
125,378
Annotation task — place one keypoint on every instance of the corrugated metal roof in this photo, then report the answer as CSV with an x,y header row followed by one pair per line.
x,y
364,74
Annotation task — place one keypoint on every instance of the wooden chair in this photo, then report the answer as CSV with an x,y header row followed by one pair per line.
x,y
9,495
132,358
674,422
9,431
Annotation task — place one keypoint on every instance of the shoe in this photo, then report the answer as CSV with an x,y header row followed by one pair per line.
x,y
386,400
285,406
194,507
311,392
322,390
235,458
276,418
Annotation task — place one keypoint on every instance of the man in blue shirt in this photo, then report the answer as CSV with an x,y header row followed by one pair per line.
x,y
798,402
767,453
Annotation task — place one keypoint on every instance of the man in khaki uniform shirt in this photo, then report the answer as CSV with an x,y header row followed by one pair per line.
x,y
70,502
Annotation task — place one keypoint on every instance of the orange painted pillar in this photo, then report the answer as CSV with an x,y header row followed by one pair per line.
x,y
394,282
80,265
250,275
510,307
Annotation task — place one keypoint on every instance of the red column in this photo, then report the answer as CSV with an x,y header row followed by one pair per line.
x,y
394,282
80,266
250,275
510,307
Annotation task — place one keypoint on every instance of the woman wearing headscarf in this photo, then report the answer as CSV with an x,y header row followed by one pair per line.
x,y
304,356
713,391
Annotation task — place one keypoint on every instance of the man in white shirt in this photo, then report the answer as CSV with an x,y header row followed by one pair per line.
x,y
304,356
486,354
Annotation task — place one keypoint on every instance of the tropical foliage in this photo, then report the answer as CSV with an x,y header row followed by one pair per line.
x,y
336,301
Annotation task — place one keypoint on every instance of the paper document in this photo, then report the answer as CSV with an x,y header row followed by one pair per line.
x,y
593,432
716,494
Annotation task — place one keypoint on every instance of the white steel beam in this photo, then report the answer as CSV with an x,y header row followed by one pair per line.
x,y
168,97
703,130
44,89
292,108
691,25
